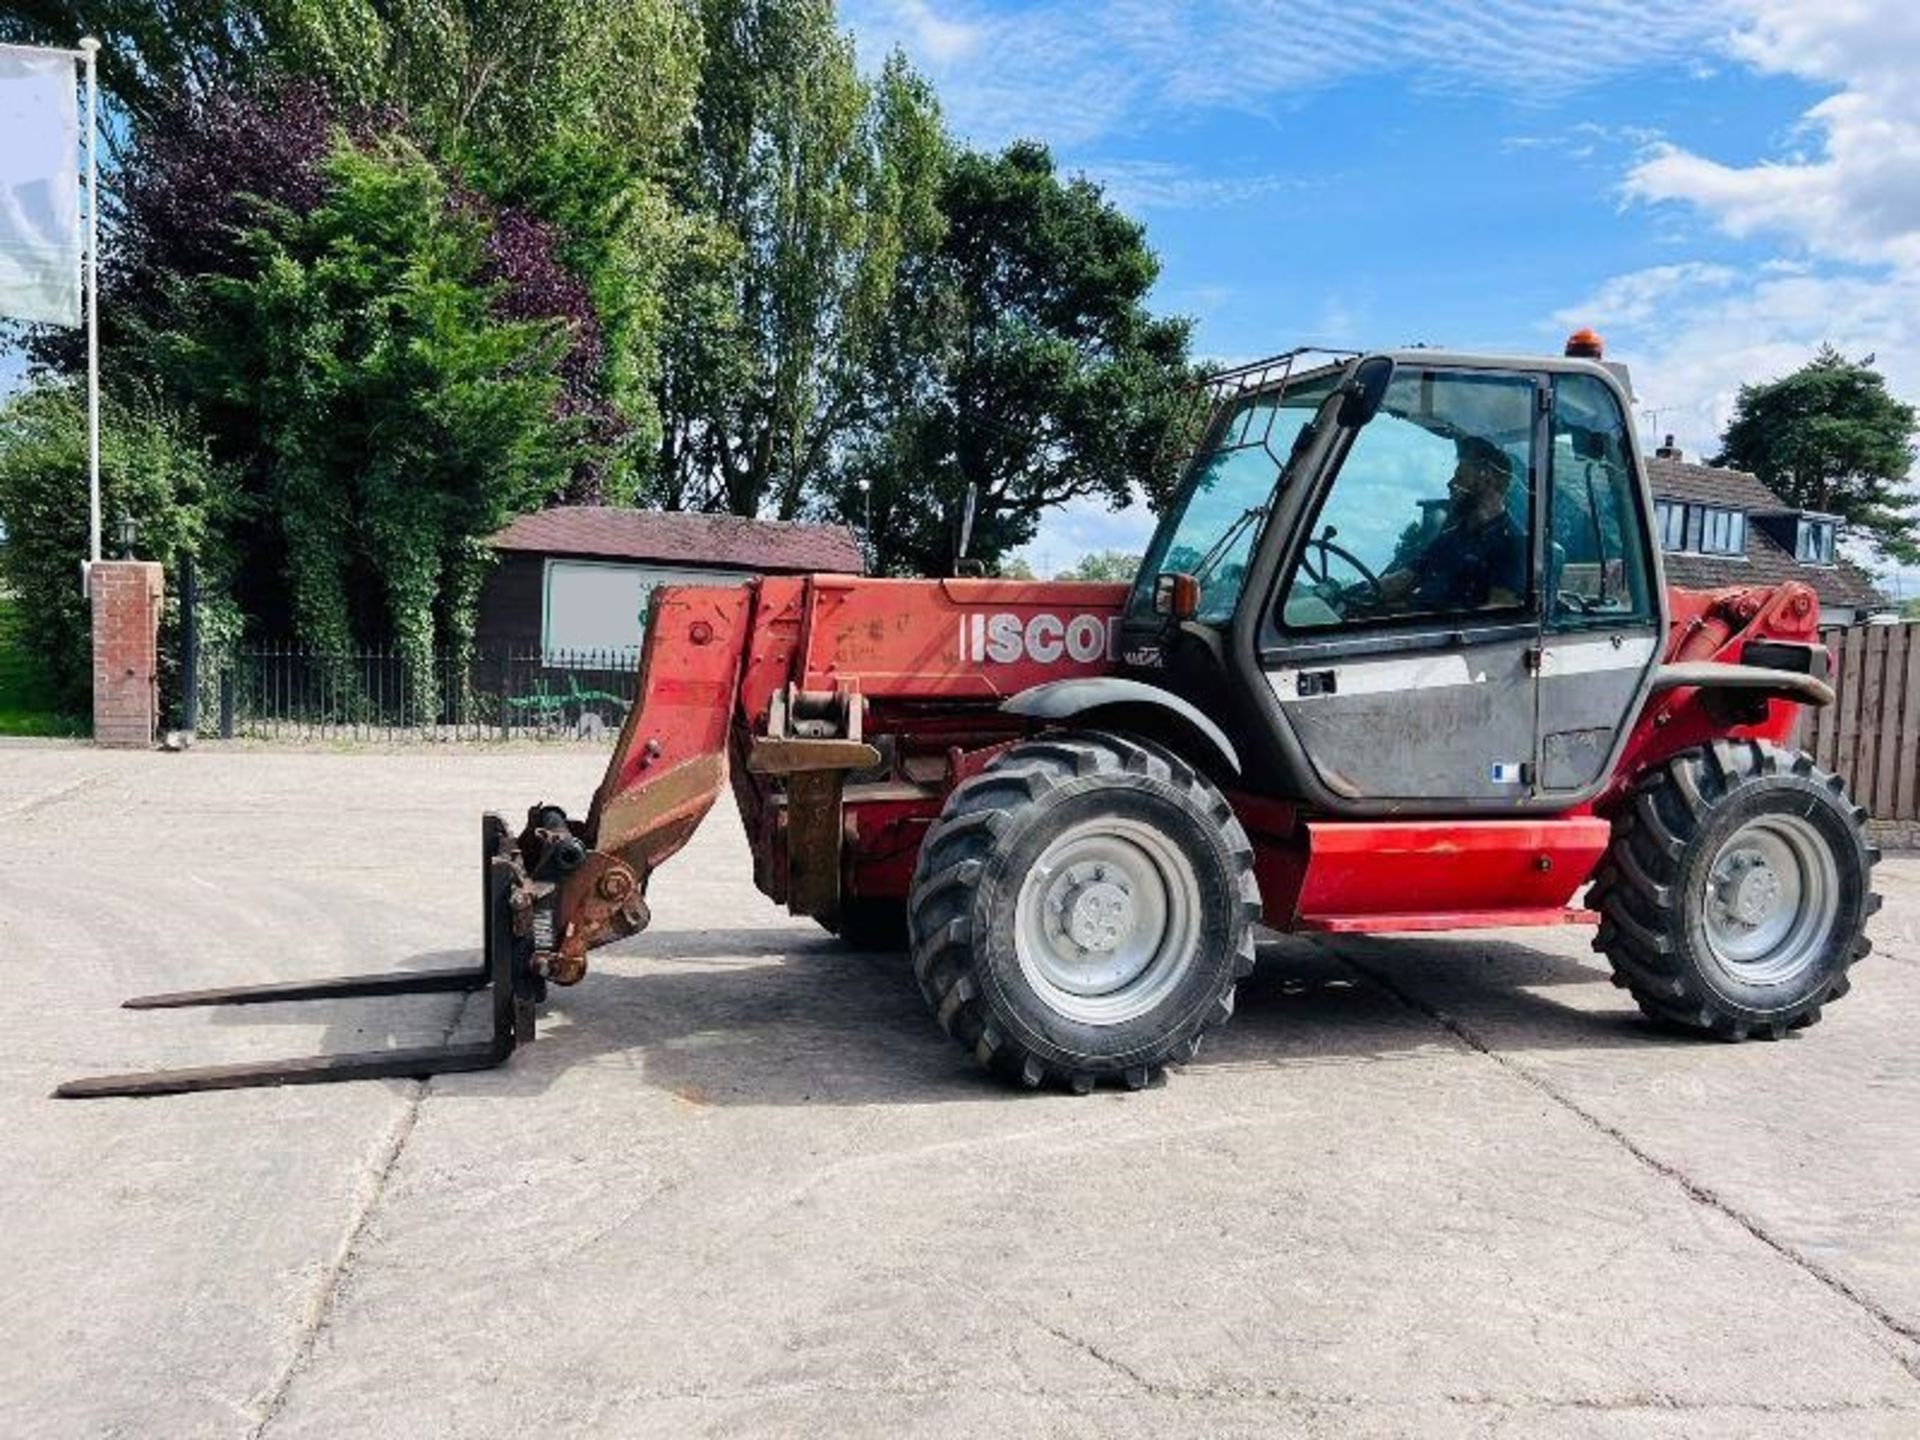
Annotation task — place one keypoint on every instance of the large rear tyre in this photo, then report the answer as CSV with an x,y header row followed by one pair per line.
x,y
1081,911
1735,894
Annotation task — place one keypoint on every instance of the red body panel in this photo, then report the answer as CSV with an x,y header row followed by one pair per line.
x,y
1714,625
925,640
1427,874
931,661
670,762
925,663
1449,920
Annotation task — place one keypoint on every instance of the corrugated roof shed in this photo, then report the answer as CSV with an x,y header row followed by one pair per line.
x,y
680,537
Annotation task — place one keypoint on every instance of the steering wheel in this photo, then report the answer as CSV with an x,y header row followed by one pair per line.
x,y
1573,600
1319,574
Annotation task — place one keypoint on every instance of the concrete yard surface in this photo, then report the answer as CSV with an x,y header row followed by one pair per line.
x,y
742,1185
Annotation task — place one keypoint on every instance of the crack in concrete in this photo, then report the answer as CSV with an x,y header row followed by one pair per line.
x,y
1700,1194
372,1188
319,1308
48,798
1632,1402
1093,1351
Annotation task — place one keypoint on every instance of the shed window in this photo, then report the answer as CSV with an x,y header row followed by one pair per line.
x,y
596,609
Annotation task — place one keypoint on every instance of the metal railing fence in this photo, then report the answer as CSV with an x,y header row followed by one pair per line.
x,y
285,692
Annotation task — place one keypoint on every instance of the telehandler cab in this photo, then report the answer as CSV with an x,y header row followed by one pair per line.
x,y
1400,657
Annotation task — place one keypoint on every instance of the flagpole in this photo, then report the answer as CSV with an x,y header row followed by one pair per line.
x,y
90,47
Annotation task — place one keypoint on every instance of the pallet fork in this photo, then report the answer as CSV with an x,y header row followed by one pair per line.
x,y
505,969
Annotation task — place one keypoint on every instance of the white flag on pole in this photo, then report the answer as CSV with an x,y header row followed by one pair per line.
x,y
40,244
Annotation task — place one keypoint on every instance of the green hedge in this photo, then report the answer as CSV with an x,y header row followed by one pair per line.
x,y
27,691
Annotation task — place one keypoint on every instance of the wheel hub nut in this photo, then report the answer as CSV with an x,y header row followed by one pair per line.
x,y
1749,890
1754,895
1099,916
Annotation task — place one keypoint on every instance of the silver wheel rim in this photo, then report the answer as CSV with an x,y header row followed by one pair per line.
x,y
1772,893
1107,920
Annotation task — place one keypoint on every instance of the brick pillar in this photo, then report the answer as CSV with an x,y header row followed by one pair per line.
x,y
126,640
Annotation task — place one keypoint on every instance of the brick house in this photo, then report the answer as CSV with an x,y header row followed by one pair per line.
x,y
577,578
1723,527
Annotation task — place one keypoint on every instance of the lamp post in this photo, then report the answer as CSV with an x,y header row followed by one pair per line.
x,y
128,531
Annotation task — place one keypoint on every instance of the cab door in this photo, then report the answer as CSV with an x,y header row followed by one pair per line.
x,y
1402,641
1603,625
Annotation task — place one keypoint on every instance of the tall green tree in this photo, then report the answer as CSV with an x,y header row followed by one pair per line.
x,y
1831,437
396,421
575,111
1021,362
155,469
466,75
1105,566
815,185
509,80
571,110
158,54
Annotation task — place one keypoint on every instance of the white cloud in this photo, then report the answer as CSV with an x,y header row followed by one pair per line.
x,y
1075,71
939,38
1642,297
1136,185
1085,527
1855,196
1843,200
1691,346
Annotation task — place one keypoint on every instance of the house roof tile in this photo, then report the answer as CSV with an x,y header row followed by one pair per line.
x,y
1710,485
1765,563
682,537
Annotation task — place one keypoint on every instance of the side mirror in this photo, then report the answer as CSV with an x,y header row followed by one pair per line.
x,y
1361,396
1177,595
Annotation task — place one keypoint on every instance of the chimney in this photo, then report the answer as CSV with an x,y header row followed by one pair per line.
x,y
1668,451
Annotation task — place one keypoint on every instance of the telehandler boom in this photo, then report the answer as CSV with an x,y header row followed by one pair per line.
x,y
1400,657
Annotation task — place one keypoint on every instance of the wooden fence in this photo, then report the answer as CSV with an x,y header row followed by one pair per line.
x,y
1871,735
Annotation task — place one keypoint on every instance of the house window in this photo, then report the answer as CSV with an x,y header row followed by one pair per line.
x,y
1670,518
1815,545
1722,532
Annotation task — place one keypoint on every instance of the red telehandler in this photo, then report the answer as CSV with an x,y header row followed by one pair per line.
x,y
1400,657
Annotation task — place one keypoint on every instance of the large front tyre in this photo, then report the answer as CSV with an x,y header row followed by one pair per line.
x,y
1735,893
1082,910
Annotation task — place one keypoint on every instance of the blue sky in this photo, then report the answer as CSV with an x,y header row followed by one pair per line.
x,y
1717,187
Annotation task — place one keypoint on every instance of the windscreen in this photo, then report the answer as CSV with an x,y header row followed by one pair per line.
x,y
1215,520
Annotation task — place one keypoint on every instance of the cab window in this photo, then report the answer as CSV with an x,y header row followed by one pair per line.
x,y
1211,529
1430,513
1596,560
